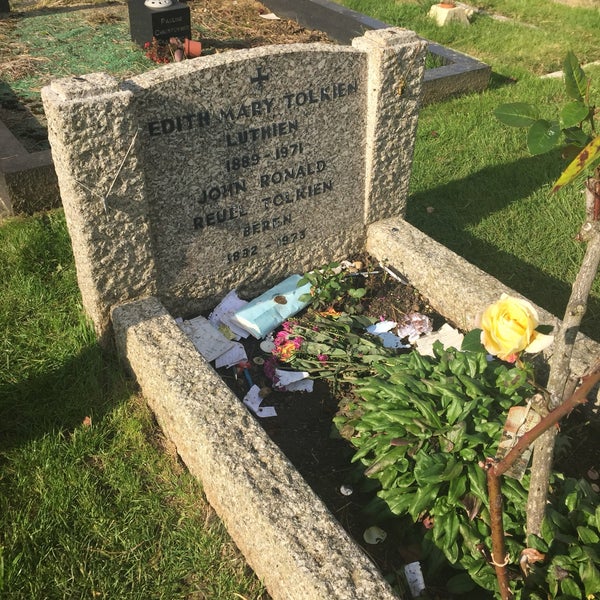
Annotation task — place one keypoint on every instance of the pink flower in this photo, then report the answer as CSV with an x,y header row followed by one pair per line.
x,y
323,358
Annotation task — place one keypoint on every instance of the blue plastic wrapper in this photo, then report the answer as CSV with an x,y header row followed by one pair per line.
x,y
269,310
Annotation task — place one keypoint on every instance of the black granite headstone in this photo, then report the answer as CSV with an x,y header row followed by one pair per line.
x,y
4,6
146,23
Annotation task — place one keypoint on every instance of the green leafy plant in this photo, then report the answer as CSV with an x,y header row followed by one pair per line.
x,y
424,428
335,287
573,128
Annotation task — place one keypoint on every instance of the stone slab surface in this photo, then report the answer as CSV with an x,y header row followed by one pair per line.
x,y
27,180
290,539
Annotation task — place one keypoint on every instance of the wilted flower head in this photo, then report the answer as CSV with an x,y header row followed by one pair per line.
x,y
508,328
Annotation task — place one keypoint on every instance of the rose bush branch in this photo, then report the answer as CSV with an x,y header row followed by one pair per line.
x,y
575,129
495,470
560,384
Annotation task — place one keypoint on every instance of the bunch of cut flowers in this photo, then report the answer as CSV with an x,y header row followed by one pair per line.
x,y
328,345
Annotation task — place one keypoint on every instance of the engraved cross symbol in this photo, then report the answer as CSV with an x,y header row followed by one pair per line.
x,y
260,77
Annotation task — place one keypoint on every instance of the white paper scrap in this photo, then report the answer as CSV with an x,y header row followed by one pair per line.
x,y
236,354
270,17
210,342
266,411
381,327
414,579
446,334
253,400
222,314
293,381
391,340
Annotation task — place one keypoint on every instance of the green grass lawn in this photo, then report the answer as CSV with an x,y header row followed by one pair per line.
x,y
101,510
93,502
474,186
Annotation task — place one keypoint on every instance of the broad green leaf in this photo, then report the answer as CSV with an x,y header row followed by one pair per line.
x,y
569,586
357,293
459,584
573,113
575,79
589,155
533,541
587,535
591,578
472,341
517,114
576,139
543,136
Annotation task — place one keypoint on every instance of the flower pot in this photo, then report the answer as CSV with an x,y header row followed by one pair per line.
x,y
192,48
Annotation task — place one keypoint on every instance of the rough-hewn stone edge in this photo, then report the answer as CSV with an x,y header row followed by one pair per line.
x,y
455,288
285,532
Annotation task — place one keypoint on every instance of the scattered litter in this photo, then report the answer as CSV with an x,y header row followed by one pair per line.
x,y
413,326
382,330
450,338
346,490
233,356
393,274
210,342
374,535
270,17
292,381
222,314
267,345
253,400
381,327
263,314
414,579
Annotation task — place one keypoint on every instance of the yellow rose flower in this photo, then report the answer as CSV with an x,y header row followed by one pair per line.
x,y
508,328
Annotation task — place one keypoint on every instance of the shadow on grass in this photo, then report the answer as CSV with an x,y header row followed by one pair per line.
x,y
448,224
90,384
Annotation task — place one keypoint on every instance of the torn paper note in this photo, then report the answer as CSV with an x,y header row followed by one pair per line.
x,y
222,314
450,338
253,401
235,355
270,17
381,327
210,342
292,381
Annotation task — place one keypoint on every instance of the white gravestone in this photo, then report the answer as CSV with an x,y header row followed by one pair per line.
x,y
232,170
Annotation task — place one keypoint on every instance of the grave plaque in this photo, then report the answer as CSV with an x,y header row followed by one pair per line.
x,y
161,23
234,170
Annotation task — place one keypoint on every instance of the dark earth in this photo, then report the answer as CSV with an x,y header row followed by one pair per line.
x,y
304,430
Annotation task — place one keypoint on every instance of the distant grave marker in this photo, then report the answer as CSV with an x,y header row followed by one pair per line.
x,y
160,19
233,170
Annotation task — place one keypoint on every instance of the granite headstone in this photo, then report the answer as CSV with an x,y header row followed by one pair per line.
x,y
232,170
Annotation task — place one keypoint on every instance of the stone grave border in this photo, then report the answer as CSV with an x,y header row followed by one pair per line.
x,y
287,535
28,181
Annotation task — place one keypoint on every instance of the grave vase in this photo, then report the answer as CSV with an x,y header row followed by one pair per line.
x,y
192,48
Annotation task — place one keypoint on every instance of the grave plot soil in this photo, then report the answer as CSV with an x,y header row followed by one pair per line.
x,y
26,66
304,430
